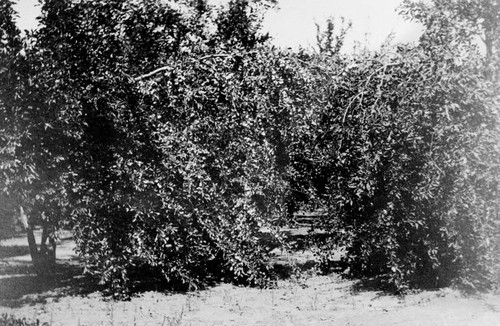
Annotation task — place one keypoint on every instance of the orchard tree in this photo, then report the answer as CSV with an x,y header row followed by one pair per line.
x,y
405,159
33,144
448,22
174,143
240,23
10,46
331,40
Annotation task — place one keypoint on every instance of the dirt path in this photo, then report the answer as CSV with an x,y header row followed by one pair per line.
x,y
317,300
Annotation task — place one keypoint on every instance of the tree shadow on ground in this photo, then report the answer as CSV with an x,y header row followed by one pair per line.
x,y
296,257
20,286
297,239
13,251
373,284
304,241
285,271
383,287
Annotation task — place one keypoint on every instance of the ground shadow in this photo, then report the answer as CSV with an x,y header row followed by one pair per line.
x,y
373,284
284,271
13,251
297,239
19,285
382,284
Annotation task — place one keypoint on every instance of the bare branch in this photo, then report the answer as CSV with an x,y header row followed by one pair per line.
x,y
154,72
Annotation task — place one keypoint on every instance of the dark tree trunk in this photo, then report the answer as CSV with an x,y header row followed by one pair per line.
x,y
44,259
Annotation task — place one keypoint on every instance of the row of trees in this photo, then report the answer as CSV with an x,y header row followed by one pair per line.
x,y
169,135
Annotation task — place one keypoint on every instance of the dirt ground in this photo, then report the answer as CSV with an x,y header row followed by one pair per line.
x,y
314,300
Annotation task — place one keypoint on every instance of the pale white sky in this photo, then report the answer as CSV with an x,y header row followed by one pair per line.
x,y
372,21
293,24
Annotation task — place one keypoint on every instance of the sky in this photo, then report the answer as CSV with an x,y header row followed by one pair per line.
x,y
372,21
292,24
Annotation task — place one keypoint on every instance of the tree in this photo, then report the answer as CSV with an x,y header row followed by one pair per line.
x,y
33,161
448,22
10,43
172,140
405,161
327,42
240,23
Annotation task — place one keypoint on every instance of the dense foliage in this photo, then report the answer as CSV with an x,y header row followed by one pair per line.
x,y
407,164
170,135
405,159
174,138
11,44
33,169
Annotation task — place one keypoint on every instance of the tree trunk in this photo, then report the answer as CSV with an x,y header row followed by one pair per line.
x,y
490,36
44,259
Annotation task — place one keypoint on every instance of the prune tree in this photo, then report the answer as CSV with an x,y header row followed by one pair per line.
x,y
240,23
33,146
174,149
10,47
330,41
409,150
448,22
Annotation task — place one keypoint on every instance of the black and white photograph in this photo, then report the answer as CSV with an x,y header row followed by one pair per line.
x,y
249,162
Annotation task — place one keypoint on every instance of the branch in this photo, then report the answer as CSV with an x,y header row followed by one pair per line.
x,y
154,72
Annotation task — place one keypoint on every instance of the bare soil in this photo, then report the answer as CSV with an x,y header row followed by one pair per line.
x,y
72,299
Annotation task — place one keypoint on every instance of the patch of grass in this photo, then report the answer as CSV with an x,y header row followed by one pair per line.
x,y
9,320
174,321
